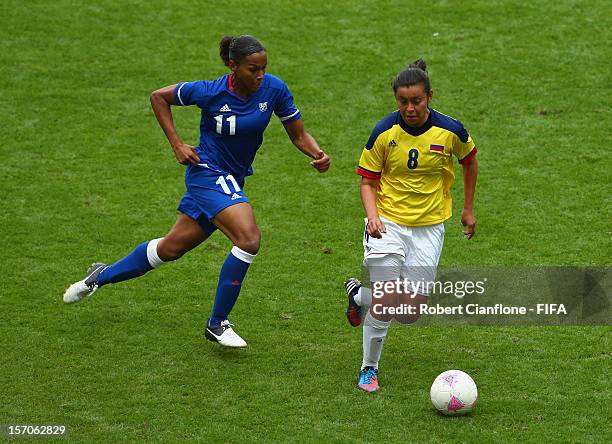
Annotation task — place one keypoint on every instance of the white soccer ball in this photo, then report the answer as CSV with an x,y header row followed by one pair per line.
x,y
454,393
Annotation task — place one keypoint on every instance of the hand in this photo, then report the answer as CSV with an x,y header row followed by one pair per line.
x,y
186,154
375,227
321,162
468,220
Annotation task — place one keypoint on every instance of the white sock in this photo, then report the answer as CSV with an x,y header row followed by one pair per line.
x,y
374,333
152,256
363,298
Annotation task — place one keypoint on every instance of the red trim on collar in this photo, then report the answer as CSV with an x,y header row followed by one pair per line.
x,y
229,82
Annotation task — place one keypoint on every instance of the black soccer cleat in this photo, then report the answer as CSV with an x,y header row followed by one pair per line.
x,y
353,311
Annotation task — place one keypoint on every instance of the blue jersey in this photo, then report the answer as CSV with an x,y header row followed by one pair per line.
x,y
232,126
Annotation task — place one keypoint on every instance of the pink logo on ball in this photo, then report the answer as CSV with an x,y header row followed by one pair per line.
x,y
455,404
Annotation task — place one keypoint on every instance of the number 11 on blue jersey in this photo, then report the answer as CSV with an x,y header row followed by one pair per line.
x,y
232,124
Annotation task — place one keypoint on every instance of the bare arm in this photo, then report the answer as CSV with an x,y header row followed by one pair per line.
x,y
367,191
161,100
307,144
470,173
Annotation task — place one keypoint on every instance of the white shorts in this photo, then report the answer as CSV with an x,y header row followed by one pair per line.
x,y
408,253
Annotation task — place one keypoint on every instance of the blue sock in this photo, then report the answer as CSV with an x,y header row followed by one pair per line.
x,y
232,274
142,259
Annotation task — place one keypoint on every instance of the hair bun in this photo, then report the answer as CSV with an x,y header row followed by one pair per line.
x,y
419,63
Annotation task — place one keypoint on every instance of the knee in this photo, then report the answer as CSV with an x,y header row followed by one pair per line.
x,y
169,251
249,241
408,318
414,308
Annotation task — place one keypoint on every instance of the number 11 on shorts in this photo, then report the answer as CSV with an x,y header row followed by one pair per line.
x,y
222,182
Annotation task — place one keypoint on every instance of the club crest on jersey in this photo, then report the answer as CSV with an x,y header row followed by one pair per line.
x,y
263,106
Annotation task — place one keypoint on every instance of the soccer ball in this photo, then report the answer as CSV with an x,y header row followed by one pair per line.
x,y
454,393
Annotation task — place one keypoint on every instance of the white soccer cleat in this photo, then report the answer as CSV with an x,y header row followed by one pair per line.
x,y
225,335
87,286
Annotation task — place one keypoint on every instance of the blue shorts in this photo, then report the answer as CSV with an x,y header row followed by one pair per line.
x,y
208,193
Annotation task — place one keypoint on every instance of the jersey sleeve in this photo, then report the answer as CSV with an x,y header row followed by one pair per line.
x,y
284,107
372,157
463,146
191,93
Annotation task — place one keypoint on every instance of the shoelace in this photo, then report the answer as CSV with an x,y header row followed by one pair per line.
x,y
226,324
369,375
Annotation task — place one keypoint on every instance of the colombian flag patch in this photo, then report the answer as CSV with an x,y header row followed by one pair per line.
x,y
438,148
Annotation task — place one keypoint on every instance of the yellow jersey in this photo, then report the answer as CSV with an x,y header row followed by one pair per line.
x,y
414,167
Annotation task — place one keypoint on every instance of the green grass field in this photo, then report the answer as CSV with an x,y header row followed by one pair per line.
x,y
81,145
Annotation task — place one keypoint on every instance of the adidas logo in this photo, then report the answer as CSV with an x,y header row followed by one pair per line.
x,y
236,196
225,109
392,143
